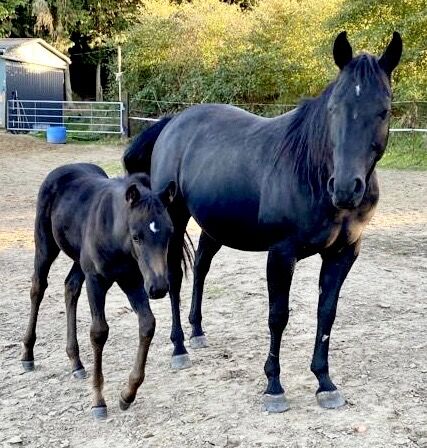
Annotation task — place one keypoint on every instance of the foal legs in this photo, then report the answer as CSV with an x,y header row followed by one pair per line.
x,y
97,288
73,287
45,254
335,267
147,325
206,250
280,268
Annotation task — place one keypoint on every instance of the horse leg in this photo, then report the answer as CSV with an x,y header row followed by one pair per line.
x,y
206,250
280,268
73,287
147,325
180,358
335,267
45,254
97,288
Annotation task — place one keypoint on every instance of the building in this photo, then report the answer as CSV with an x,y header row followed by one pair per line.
x,y
30,69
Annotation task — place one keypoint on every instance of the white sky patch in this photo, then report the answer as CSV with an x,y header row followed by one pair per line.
x,y
357,90
153,227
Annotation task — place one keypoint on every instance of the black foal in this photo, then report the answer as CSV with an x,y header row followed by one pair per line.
x,y
115,230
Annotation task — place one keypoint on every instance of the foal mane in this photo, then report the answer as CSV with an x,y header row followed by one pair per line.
x,y
306,145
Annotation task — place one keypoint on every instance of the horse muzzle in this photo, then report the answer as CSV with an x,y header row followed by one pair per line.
x,y
346,194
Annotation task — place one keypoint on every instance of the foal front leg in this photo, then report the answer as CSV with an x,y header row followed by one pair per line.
x,y
335,267
147,325
280,268
97,288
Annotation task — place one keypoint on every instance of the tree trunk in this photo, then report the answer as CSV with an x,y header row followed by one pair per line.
x,y
68,90
98,82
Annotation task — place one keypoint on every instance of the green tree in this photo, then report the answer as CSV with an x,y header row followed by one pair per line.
x,y
8,10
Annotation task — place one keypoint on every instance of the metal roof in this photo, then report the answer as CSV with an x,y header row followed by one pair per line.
x,y
10,43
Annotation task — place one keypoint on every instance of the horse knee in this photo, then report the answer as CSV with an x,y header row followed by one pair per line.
x,y
99,334
147,328
72,289
38,287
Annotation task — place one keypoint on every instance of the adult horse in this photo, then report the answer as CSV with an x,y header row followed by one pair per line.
x,y
296,185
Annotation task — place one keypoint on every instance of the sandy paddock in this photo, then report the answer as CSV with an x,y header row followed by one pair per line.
x,y
378,348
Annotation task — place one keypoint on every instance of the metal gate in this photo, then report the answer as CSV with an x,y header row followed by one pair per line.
x,y
77,116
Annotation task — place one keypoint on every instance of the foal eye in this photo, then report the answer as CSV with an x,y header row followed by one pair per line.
x,y
136,238
383,114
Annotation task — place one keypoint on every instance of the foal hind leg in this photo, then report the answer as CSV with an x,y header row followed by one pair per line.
x,y
73,287
147,325
180,358
335,267
45,254
206,250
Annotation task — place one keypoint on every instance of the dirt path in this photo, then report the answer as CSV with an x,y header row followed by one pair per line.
x,y
378,348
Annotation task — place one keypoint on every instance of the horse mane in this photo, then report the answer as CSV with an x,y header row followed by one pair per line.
x,y
306,145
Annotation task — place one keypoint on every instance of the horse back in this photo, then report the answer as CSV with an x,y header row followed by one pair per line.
x,y
64,201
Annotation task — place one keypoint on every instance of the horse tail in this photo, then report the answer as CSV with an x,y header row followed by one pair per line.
x,y
137,157
188,252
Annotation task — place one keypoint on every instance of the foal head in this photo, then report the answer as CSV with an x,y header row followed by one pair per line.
x,y
359,115
150,229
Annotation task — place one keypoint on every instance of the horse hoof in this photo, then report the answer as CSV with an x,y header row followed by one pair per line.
x,y
80,374
28,365
124,405
199,342
179,362
275,403
330,399
99,412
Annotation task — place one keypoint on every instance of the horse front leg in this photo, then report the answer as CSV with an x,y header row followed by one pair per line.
x,y
335,267
206,250
147,325
97,288
280,268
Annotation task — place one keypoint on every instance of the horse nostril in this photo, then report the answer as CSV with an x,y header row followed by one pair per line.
x,y
359,187
331,185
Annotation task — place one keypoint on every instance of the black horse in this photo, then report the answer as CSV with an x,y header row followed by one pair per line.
x,y
115,230
296,185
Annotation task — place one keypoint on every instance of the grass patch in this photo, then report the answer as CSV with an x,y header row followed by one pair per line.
x,y
112,168
406,151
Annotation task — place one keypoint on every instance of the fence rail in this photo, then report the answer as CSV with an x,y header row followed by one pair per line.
x,y
77,116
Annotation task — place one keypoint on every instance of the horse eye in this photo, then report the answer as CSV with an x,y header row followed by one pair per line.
x,y
383,114
136,238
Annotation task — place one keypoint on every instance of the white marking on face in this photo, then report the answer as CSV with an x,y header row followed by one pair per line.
x,y
355,115
153,227
325,337
357,90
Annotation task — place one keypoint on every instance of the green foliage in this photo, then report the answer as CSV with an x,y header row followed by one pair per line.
x,y
277,51
406,151
7,14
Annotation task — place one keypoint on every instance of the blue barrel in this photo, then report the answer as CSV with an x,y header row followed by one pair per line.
x,y
56,134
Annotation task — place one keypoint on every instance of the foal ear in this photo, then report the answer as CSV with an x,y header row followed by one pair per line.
x,y
132,195
391,56
342,51
168,194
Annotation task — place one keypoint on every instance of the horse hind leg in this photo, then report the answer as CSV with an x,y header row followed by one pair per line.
x,y
73,287
45,254
180,357
206,250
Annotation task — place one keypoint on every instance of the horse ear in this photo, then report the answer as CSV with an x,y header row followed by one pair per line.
x,y
342,51
132,195
391,56
168,194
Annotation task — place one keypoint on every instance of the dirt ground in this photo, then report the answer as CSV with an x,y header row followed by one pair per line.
x,y
378,348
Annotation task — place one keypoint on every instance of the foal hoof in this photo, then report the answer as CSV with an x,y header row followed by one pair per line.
x,y
199,342
28,365
80,374
124,405
179,362
275,403
330,399
99,412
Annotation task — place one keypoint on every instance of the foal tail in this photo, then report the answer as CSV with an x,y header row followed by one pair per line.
x,y
137,157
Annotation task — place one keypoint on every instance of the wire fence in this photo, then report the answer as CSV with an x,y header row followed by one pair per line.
x,y
408,127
